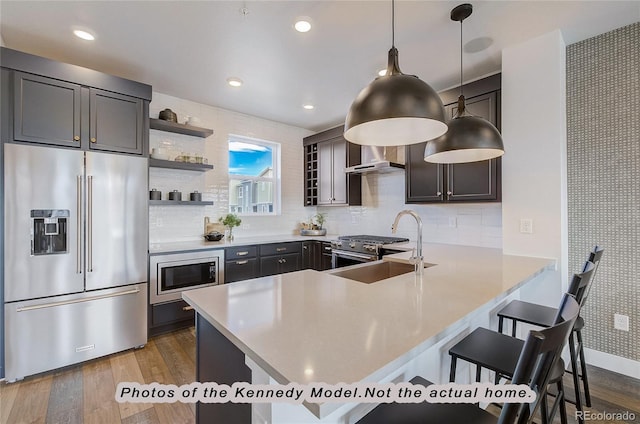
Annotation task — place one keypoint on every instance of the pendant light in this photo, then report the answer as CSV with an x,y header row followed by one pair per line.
x,y
395,109
469,138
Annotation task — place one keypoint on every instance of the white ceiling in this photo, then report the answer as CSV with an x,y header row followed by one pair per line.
x,y
188,49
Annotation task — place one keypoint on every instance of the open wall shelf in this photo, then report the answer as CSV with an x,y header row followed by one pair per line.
x,y
159,124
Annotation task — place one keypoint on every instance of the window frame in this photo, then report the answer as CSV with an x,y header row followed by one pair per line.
x,y
276,179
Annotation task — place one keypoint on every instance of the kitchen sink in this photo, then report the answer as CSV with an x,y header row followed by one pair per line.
x,y
376,272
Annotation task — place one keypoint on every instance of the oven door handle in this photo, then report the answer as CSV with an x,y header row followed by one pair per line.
x,y
345,254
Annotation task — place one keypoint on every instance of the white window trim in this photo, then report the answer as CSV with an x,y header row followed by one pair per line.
x,y
276,179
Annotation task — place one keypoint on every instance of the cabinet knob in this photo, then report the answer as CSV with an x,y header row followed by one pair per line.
x,y
438,193
187,308
284,261
305,247
449,193
93,139
76,138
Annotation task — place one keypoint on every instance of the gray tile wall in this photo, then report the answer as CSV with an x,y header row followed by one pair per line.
x,y
603,124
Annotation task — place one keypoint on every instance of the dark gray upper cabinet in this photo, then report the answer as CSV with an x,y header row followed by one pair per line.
x,y
46,110
116,122
327,154
66,105
463,182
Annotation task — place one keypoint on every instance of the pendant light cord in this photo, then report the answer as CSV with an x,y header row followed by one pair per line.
x,y
393,23
461,56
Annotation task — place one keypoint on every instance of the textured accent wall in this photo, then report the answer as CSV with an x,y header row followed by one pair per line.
x,y
603,124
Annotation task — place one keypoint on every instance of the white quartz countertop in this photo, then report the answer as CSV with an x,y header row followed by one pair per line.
x,y
311,326
181,246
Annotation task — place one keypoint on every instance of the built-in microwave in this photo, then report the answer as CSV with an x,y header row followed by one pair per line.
x,y
171,274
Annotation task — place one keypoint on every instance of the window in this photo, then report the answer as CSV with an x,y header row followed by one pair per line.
x,y
254,176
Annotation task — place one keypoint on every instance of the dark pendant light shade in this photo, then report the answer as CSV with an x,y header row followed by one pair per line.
x,y
469,138
394,110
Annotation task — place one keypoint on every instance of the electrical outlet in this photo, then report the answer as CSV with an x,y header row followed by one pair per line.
x,y
621,322
526,226
453,222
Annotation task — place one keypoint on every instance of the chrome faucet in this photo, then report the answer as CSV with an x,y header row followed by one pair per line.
x,y
418,259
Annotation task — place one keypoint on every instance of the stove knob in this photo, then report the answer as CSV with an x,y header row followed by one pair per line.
x,y
352,245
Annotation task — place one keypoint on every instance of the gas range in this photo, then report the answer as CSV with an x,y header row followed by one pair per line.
x,y
348,250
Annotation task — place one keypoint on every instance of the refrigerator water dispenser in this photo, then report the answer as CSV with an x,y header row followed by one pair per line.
x,y
49,231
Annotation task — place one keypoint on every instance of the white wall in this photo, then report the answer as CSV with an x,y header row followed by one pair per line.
x,y
179,223
534,169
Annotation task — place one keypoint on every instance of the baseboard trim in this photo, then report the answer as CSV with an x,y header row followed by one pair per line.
x,y
612,362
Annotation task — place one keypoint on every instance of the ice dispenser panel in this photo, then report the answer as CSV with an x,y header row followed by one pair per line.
x,y
49,231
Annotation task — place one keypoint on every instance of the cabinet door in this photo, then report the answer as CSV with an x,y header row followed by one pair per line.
x,y
475,181
240,269
424,180
289,263
325,256
338,175
308,254
269,265
46,110
116,122
325,173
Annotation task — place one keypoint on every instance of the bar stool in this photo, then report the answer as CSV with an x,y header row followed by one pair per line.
x,y
531,313
540,352
499,352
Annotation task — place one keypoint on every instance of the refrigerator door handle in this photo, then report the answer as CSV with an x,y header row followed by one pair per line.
x,y
79,225
90,223
71,302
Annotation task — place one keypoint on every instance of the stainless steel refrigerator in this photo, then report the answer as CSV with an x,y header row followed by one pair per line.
x,y
76,240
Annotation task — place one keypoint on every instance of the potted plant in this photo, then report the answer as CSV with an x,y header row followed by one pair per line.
x,y
320,219
230,220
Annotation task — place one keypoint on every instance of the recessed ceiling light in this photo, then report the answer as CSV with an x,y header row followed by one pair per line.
x,y
382,72
84,35
234,82
302,25
308,107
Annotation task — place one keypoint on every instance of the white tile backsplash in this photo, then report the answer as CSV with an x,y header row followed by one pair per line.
x,y
383,197
383,194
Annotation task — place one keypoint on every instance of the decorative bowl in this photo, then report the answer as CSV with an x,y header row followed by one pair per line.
x,y
213,236
305,232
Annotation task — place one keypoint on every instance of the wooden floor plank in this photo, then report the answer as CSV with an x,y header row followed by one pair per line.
x,y
100,406
181,365
147,416
8,394
65,399
154,369
31,401
125,369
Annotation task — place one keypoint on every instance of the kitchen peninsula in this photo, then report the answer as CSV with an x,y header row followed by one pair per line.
x,y
311,326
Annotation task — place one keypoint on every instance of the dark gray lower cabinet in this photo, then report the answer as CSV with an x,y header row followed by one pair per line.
x,y
241,269
316,255
170,316
280,264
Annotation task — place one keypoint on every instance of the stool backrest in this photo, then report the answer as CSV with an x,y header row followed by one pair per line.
x,y
541,351
594,257
580,283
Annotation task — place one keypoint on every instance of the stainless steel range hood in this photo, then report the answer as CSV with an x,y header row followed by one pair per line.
x,y
379,159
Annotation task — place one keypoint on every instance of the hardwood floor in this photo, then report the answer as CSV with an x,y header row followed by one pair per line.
x,y
85,393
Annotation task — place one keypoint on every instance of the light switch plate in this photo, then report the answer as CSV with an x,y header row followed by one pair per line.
x,y
621,322
526,226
